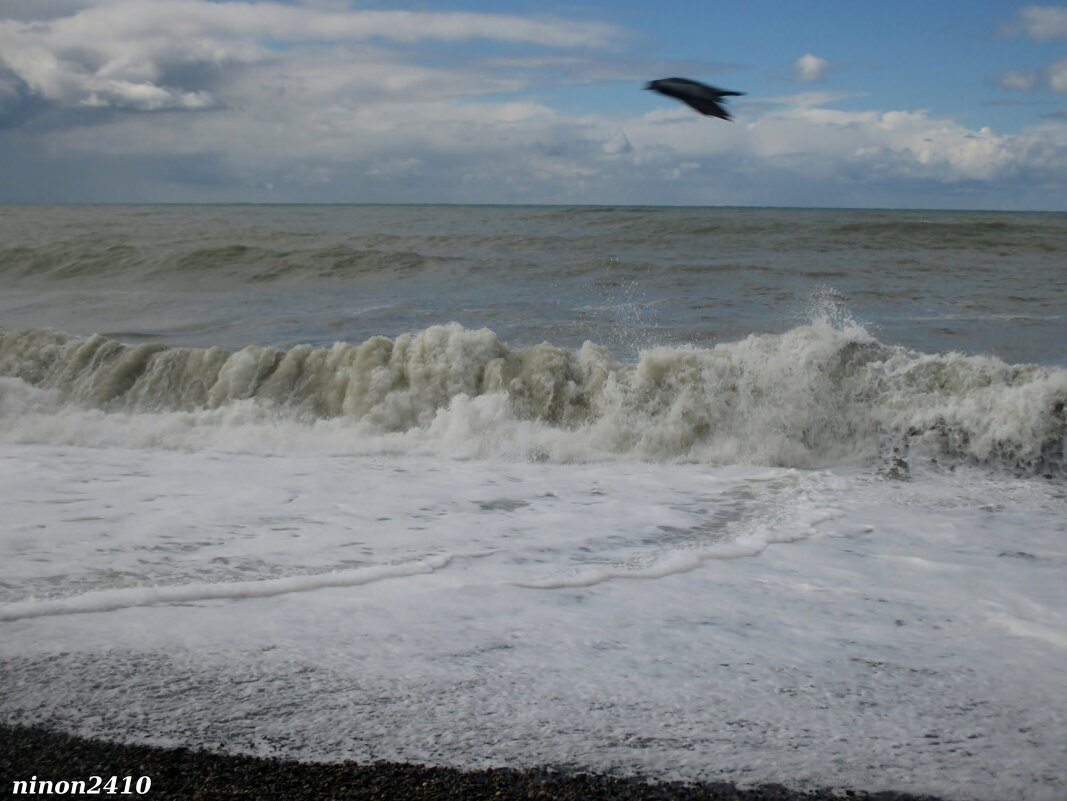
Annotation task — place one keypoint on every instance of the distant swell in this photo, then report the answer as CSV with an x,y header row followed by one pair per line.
x,y
815,395
108,260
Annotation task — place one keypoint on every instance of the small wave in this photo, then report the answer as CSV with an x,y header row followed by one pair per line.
x,y
813,396
125,597
110,261
244,263
963,233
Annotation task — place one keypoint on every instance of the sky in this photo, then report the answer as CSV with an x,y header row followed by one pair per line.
x,y
932,104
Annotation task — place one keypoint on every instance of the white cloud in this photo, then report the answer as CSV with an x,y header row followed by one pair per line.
x,y
810,68
142,96
288,97
159,55
1018,80
1042,23
127,19
1056,76
851,146
480,150
810,98
617,144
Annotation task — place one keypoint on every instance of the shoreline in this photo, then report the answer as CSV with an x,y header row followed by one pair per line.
x,y
185,773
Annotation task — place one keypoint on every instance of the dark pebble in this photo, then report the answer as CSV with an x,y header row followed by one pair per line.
x,y
190,775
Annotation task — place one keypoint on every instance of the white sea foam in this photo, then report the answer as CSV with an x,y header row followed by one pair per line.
x,y
109,600
683,621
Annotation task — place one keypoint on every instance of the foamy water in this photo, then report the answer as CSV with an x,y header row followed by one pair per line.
x,y
530,517
813,396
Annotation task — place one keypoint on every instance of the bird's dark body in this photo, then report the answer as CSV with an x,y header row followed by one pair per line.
x,y
705,99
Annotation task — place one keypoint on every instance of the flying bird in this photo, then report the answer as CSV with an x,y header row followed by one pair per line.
x,y
705,99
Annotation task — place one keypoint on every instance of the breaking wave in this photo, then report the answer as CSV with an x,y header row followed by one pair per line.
x,y
813,396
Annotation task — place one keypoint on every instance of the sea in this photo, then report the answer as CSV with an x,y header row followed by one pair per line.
x,y
726,494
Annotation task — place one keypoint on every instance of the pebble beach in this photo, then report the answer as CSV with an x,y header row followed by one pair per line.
x,y
190,774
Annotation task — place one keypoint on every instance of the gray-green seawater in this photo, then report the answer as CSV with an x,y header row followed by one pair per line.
x,y
748,494
623,277
770,336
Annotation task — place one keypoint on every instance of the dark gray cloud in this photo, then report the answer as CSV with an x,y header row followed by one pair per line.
x,y
41,10
18,103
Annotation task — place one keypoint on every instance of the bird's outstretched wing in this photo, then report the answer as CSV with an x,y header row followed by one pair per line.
x,y
707,107
699,96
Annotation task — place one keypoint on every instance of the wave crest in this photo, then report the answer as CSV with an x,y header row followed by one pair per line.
x,y
812,396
